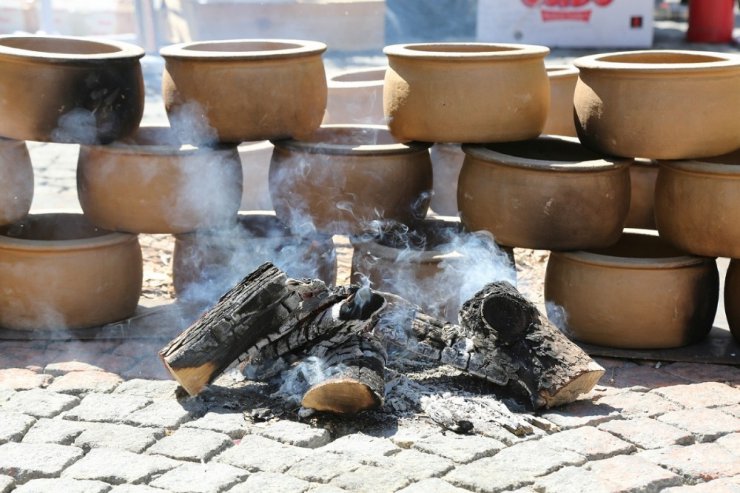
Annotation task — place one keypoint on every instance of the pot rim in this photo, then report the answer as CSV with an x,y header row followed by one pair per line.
x,y
333,83
352,150
600,62
703,166
561,71
124,51
164,149
189,51
107,239
480,151
638,263
467,51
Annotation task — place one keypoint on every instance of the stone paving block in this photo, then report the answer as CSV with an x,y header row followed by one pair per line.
x,y
325,488
200,478
702,372
191,444
458,448
584,412
417,465
5,394
645,377
40,403
513,467
406,436
647,433
134,488
322,467
151,389
63,485
705,424
84,382
624,473
705,394
14,425
293,433
256,453
589,442
731,410
167,413
119,466
702,461
109,408
6,484
731,442
63,367
117,436
371,479
229,423
723,485
361,447
27,461
23,379
59,431
269,482
630,403
433,485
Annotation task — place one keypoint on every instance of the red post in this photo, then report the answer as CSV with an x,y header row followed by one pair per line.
x,y
711,21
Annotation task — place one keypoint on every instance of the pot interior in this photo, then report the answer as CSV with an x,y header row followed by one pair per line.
x,y
640,246
243,46
461,48
52,227
544,149
661,57
58,45
376,75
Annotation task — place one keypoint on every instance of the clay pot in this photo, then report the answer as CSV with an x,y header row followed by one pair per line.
x,y
244,90
59,271
255,158
447,160
732,298
563,79
152,183
16,181
436,264
697,206
346,179
659,104
641,215
640,293
466,92
63,89
547,194
356,96
208,263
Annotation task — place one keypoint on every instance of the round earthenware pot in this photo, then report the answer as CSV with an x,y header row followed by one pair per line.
x,y
550,193
732,298
563,79
208,263
643,174
640,293
59,271
466,92
345,179
152,183
435,264
697,205
244,90
659,104
356,96
255,158
16,180
64,89
447,160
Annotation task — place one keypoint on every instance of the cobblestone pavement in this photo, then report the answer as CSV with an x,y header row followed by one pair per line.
x,y
104,416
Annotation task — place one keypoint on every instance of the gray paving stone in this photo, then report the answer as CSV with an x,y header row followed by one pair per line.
x,y
85,382
705,394
325,488
6,484
589,442
124,437
723,485
705,424
40,403
292,433
513,467
63,485
200,478
60,368
371,479
417,465
111,408
118,466
433,485
59,431
631,403
322,467
648,433
361,447
269,482
14,425
458,448
229,423
165,413
151,389
731,442
256,453
406,436
27,461
134,488
5,394
702,461
624,473
191,444
584,412
22,379
731,410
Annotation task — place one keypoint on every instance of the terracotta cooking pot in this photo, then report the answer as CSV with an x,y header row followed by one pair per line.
x,y
16,181
356,96
640,293
732,298
58,271
65,89
563,79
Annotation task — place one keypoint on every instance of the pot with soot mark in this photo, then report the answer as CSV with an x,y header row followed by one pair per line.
x,y
16,181
58,271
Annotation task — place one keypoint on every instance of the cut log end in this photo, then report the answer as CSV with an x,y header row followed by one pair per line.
x,y
344,396
579,385
193,380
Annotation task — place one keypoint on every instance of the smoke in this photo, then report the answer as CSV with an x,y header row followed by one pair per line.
x,y
559,317
303,375
77,126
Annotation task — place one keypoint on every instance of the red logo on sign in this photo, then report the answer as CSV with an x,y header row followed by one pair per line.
x,y
566,10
